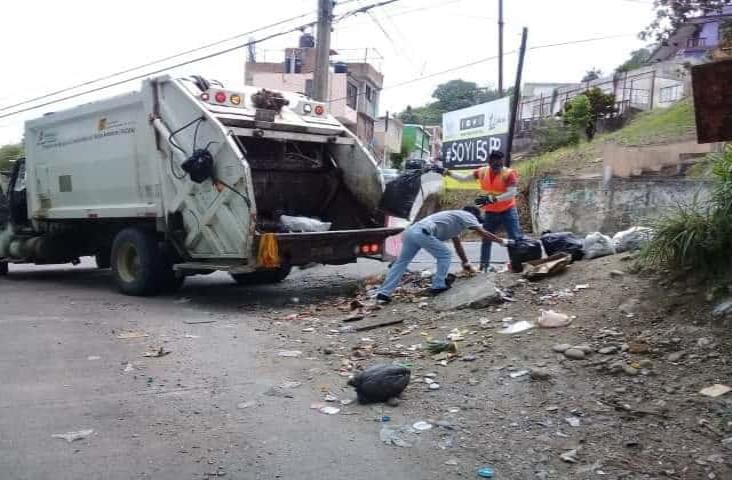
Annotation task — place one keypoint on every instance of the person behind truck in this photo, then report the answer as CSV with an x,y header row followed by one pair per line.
x,y
501,186
430,233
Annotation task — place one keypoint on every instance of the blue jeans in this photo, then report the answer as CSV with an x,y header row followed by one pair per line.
x,y
413,241
491,222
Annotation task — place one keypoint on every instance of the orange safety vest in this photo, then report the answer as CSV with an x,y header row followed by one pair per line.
x,y
496,185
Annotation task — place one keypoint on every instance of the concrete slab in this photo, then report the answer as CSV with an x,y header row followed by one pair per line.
x,y
476,292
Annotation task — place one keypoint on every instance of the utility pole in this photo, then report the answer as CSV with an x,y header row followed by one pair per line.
x,y
500,48
516,96
322,50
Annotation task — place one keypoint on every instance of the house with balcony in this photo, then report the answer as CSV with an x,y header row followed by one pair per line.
x,y
697,38
354,87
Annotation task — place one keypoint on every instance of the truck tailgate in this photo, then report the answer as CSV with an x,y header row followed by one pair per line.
x,y
334,247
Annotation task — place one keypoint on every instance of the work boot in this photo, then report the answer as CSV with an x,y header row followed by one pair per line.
x,y
382,299
449,280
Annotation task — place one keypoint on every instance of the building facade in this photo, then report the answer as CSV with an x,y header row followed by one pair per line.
x,y
416,142
387,139
697,38
354,88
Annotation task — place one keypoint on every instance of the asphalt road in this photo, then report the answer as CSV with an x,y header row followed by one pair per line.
x,y
64,368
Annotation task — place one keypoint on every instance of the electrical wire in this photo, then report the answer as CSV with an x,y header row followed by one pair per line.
x,y
154,62
363,9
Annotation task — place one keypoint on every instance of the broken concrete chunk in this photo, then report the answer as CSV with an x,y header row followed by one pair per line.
x,y
477,292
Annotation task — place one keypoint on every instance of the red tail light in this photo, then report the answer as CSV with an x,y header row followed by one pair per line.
x,y
220,97
319,110
374,248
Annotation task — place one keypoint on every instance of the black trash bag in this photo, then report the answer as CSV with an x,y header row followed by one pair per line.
x,y
563,242
379,383
523,250
400,194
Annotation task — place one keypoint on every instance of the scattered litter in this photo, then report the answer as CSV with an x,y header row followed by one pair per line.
x,y
384,323
451,462
456,335
93,357
552,319
429,381
289,353
308,330
562,242
518,327
384,419
716,390
398,435
304,224
188,335
379,383
425,274
73,436
291,317
330,398
422,426
182,300
289,385
573,421
198,322
244,405
583,286
438,346
346,401
570,456
157,353
546,267
485,322
486,472
518,374
131,335
128,367
434,386
329,410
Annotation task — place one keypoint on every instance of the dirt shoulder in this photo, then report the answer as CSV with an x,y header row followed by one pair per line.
x,y
633,411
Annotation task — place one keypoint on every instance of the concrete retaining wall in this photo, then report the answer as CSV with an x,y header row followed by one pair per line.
x,y
589,205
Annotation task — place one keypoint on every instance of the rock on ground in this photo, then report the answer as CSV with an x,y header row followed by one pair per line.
x,y
476,292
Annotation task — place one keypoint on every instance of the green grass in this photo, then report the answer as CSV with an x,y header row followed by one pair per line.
x,y
659,126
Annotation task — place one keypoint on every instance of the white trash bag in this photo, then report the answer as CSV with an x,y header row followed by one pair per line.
x,y
304,224
597,245
634,238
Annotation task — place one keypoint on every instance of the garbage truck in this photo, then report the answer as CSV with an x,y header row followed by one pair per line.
x,y
186,177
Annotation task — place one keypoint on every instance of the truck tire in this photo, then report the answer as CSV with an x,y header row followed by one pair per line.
x,y
103,259
3,269
137,262
262,277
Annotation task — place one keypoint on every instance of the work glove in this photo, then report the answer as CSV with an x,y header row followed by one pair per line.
x,y
485,200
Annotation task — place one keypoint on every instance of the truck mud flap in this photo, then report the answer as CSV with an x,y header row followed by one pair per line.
x,y
335,247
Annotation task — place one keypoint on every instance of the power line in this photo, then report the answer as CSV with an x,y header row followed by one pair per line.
x,y
155,62
188,62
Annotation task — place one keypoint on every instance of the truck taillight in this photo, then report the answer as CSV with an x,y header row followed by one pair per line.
x,y
205,96
319,110
369,249
220,97
235,99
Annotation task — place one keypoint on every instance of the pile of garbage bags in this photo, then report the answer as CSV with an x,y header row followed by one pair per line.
x,y
595,244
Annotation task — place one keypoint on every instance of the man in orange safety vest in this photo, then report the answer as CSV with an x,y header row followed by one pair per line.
x,y
499,205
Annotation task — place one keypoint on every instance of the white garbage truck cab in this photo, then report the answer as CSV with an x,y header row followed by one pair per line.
x,y
186,177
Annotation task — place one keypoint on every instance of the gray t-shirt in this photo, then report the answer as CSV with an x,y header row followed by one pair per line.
x,y
448,224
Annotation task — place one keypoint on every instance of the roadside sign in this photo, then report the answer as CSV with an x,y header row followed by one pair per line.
x,y
470,134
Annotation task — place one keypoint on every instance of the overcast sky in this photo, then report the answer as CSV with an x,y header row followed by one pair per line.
x,y
48,45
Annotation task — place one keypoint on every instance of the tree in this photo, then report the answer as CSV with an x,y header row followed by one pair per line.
x,y
449,96
670,14
8,154
577,115
592,74
601,104
638,58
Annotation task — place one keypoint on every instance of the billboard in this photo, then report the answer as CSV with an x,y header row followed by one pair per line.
x,y
470,134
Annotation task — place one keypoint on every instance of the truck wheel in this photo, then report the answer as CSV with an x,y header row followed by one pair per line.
x,y
137,262
262,277
3,269
103,259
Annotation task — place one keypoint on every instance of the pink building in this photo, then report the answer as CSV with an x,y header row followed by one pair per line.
x,y
353,87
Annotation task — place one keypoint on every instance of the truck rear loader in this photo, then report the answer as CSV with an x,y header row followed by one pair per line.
x,y
187,177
